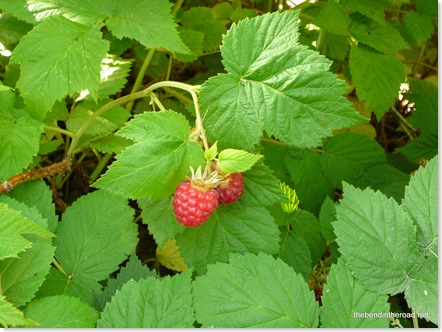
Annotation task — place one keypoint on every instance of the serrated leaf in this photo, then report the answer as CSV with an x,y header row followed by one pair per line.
x,y
326,217
273,84
419,26
96,234
169,256
261,187
20,132
333,17
372,9
236,161
427,7
230,229
61,312
14,226
377,78
114,71
150,303
21,277
151,24
194,41
421,202
11,31
296,253
254,291
37,194
55,60
159,216
344,298
203,20
111,144
158,162
132,270
377,239
422,295
211,153
347,155
11,316
382,37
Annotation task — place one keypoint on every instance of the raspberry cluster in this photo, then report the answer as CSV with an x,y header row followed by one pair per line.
x,y
194,202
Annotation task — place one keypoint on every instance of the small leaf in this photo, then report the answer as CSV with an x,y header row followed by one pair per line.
x,y
55,61
169,256
377,239
194,41
254,291
236,161
211,153
151,303
333,18
372,9
326,217
344,298
296,253
377,78
11,316
418,26
421,202
61,312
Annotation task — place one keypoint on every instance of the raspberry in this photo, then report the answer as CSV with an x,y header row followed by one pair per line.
x,y
193,206
231,190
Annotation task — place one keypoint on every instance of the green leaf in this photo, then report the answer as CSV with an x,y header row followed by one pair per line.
x,y
421,202
11,316
425,97
37,194
158,162
55,60
427,7
212,152
382,37
222,10
203,20
347,155
233,161
114,71
11,31
160,218
111,144
254,291
419,26
333,18
151,303
422,295
344,298
231,229
273,84
261,187
132,270
14,227
20,132
372,9
61,312
96,234
151,24
326,217
377,239
377,78
194,41
296,253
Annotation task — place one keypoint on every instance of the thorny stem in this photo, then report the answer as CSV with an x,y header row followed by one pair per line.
x,y
34,174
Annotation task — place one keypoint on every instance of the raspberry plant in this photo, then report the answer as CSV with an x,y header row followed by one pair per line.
x,y
297,138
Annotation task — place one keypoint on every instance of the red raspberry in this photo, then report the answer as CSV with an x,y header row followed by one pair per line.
x,y
231,190
193,206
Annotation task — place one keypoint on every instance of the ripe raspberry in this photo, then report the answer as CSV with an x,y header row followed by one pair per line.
x,y
193,206
231,190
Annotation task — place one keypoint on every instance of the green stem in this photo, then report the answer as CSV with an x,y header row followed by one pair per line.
x,y
58,266
178,95
322,41
140,76
404,123
414,318
157,101
100,166
59,130
169,67
177,6
140,94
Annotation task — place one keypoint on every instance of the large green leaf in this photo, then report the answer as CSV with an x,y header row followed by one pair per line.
x,y
231,229
19,132
158,162
96,234
56,59
273,84
377,239
151,303
296,253
254,291
377,77
61,312
372,9
345,300
422,295
419,26
421,202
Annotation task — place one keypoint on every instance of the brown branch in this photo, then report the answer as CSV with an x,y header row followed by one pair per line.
x,y
35,174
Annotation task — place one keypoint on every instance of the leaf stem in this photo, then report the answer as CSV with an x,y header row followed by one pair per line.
x,y
59,130
58,266
414,318
100,166
140,76
404,122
